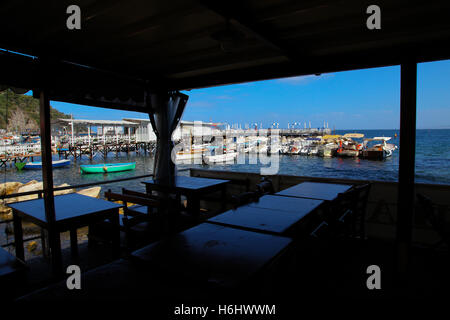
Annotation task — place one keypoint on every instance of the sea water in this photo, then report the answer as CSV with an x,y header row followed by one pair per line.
x,y
432,164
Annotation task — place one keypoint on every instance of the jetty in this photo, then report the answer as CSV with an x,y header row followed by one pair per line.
x,y
90,151
12,159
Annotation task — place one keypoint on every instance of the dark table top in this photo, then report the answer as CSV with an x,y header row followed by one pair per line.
x,y
217,254
315,190
264,219
67,206
289,204
192,183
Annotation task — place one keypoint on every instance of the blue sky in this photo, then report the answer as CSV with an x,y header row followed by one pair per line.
x,y
361,99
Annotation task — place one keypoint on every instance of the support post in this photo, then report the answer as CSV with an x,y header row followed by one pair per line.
x,y
165,114
406,192
166,111
47,178
71,125
89,135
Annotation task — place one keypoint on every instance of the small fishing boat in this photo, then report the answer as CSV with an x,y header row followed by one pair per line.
x,y
304,151
294,150
220,158
188,156
107,167
38,165
353,135
348,148
313,151
378,151
329,150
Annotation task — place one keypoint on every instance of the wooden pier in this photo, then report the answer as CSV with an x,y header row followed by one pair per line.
x,y
303,132
12,159
78,151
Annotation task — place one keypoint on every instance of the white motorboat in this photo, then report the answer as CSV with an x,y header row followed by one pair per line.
x,y
220,158
378,151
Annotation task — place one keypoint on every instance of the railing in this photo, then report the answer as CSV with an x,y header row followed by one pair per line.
x,y
92,184
105,139
41,192
20,149
381,211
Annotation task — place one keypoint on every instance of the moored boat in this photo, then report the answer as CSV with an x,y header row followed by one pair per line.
x,y
348,147
329,150
378,151
189,156
107,167
220,158
38,165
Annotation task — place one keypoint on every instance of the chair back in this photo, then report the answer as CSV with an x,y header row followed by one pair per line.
x,y
129,222
265,187
127,199
430,213
361,197
321,231
437,222
348,212
140,194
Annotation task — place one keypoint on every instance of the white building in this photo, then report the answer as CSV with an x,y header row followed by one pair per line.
x,y
144,131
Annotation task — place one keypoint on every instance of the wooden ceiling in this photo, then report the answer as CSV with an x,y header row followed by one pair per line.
x,y
125,47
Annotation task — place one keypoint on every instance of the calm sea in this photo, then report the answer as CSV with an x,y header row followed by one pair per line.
x,y
432,164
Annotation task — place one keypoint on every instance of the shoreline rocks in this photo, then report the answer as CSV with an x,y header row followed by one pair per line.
x,y
9,187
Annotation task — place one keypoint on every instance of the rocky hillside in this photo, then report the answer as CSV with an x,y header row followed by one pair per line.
x,y
20,113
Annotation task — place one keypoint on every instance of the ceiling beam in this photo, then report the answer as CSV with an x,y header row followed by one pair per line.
x,y
382,57
291,8
236,16
147,23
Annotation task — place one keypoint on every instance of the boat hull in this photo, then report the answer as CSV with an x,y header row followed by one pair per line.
x,y
38,165
347,153
106,168
221,158
374,154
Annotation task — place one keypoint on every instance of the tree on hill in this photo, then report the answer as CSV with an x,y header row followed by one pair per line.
x,y
20,112
19,122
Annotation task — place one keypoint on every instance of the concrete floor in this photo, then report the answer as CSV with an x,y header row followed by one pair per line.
x,y
317,270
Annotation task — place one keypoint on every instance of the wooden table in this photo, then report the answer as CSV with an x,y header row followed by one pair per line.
x,y
315,190
191,187
272,214
72,211
215,254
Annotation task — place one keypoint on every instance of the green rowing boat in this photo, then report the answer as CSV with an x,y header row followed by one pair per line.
x,y
107,167
20,165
